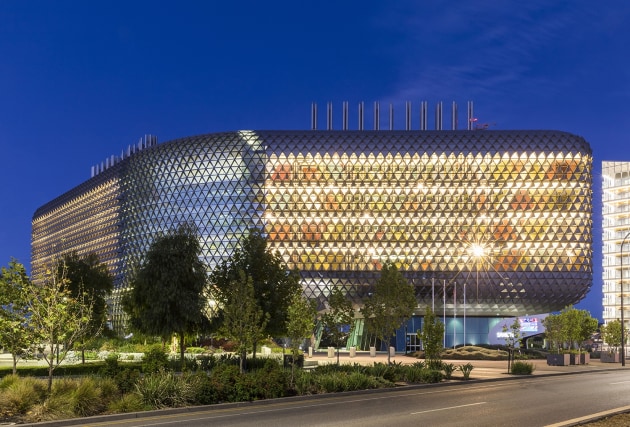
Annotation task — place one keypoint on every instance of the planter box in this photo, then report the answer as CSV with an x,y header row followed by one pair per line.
x,y
585,358
574,359
558,359
606,357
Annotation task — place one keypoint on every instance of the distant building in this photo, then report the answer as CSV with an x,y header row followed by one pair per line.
x,y
616,229
485,224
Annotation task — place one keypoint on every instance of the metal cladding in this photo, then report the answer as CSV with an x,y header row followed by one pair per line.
x,y
499,219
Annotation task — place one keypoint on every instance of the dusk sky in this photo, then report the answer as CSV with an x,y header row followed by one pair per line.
x,y
81,80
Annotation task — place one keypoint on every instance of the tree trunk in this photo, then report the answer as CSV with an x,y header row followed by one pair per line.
x,y
181,350
14,363
254,345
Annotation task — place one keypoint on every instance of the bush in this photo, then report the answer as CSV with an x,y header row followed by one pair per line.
x,y
413,374
448,369
223,379
111,367
131,402
54,408
126,379
522,368
163,389
154,360
466,370
21,395
431,376
86,399
206,363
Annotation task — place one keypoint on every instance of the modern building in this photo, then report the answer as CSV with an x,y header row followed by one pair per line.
x,y
485,224
616,240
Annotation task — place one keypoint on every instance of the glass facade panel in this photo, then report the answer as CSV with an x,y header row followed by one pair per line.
x,y
338,204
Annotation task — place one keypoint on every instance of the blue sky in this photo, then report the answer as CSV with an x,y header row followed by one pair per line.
x,y
80,80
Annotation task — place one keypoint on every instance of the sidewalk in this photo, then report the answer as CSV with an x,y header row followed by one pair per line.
x,y
483,369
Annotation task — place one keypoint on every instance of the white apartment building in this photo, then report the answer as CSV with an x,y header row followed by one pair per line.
x,y
616,240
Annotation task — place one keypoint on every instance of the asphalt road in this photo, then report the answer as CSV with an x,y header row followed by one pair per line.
x,y
519,401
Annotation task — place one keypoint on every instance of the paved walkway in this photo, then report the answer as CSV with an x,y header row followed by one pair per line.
x,y
483,369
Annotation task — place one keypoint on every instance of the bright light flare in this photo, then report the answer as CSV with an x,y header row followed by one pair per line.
x,y
478,251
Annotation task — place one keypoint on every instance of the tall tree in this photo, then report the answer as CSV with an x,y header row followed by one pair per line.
x,y
390,305
611,335
579,325
432,336
16,334
57,319
338,320
88,279
244,321
274,285
300,324
167,295
555,332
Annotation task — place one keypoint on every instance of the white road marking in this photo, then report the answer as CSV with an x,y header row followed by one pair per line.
x,y
447,408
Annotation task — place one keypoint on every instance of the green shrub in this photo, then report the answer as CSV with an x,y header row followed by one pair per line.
x,y
154,360
448,369
64,386
111,366
413,374
466,370
329,383
109,389
8,380
522,368
223,379
163,389
431,376
86,399
126,379
20,396
54,408
207,362
269,382
419,364
130,402
358,381
304,382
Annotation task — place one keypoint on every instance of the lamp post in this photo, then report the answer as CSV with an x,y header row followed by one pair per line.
x,y
444,312
464,314
623,338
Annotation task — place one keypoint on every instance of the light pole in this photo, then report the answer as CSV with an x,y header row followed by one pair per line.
x,y
444,312
464,314
623,338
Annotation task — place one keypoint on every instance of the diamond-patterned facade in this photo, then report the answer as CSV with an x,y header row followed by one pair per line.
x,y
338,204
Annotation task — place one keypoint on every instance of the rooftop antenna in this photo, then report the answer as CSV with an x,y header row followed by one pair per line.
x,y
454,116
438,116
329,116
361,108
471,116
391,117
313,116
423,115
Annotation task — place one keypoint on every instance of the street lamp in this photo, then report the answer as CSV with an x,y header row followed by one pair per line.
x,y
464,314
623,338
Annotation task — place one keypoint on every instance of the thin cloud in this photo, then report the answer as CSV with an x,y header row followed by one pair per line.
x,y
482,49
